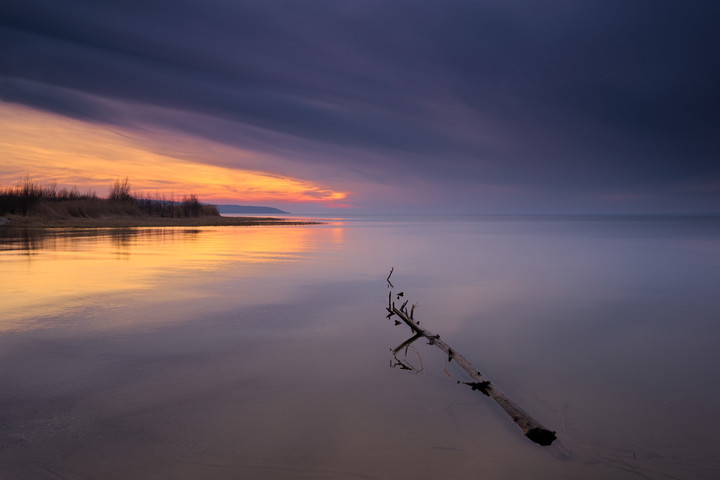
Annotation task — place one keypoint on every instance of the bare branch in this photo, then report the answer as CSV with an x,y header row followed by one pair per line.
x,y
390,285
532,428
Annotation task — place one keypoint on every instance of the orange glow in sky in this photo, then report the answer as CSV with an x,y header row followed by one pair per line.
x,y
73,153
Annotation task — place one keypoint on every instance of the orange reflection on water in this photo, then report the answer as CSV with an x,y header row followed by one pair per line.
x,y
53,272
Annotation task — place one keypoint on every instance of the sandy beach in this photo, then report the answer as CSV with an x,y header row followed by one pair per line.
x,y
141,221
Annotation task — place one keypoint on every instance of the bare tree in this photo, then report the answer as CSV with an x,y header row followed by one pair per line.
x,y
120,190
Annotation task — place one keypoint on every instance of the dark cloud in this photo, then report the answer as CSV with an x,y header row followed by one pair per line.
x,y
64,102
615,99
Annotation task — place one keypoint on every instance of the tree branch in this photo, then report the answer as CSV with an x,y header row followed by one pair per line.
x,y
530,427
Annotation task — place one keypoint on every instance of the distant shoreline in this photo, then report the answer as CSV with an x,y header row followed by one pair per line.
x,y
32,205
129,221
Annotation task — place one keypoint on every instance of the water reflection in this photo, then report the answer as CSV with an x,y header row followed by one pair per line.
x,y
405,363
261,353
45,270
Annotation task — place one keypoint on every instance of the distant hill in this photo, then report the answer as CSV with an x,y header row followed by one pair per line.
x,y
247,209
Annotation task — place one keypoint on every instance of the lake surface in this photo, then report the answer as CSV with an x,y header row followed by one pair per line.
x,y
264,352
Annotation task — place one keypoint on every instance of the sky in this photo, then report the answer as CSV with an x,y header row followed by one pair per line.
x,y
365,106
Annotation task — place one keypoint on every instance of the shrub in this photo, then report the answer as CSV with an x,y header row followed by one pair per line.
x,y
120,191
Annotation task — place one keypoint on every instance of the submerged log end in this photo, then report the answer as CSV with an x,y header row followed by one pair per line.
x,y
541,436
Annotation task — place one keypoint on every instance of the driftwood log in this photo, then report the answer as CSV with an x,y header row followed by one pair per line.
x,y
530,427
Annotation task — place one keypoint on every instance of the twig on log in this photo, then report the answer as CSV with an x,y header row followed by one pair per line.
x,y
481,386
407,343
390,285
530,427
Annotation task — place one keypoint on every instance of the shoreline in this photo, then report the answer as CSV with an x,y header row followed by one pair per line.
x,y
126,221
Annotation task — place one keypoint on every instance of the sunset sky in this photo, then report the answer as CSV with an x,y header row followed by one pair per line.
x,y
390,106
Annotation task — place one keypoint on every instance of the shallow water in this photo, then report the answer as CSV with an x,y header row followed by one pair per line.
x,y
264,352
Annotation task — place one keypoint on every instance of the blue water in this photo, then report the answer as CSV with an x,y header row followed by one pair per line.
x,y
264,352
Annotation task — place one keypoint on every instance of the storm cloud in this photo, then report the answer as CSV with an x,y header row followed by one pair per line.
x,y
558,106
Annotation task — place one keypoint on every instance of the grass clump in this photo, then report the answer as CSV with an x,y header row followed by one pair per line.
x,y
29,198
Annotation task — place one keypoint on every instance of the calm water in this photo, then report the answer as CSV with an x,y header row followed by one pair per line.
x,y
264,352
